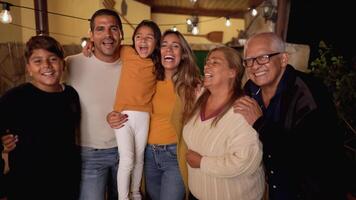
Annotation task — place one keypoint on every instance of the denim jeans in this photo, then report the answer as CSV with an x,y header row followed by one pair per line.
x,y
99,169
162,175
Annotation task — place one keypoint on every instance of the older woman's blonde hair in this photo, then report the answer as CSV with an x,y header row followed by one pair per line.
x,y
234,61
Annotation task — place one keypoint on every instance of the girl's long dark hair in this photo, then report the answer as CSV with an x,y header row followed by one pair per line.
x,y
156,54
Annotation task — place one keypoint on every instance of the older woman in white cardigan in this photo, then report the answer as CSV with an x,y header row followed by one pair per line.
x,y
225,154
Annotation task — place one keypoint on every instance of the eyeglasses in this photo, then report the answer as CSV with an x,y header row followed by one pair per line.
x,y
261,60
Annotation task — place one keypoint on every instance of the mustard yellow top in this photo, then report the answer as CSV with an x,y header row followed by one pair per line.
x,y
161,129
137,82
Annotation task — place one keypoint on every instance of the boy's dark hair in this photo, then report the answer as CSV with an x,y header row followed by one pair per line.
x,y
156,54
43,42
108,12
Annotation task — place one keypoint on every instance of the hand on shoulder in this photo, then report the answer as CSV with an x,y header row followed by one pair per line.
x,y
249,108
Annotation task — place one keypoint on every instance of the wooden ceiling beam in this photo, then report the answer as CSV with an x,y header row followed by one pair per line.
x,y
283,10
147,2
255,3
198,11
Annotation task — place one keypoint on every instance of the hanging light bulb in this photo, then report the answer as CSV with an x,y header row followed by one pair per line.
x,y
5,16
195,30
174,28
84,41
254,12
189,21
228,22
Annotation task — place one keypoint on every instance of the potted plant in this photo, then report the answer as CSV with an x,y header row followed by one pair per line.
x,y
340,77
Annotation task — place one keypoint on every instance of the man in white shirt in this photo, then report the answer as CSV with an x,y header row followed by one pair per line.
x,y
95,78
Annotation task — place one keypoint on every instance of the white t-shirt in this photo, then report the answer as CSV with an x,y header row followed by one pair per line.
x,y
96,83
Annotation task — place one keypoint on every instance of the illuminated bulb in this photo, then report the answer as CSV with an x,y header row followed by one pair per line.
x,y
254,12
84,43
195,30
189,21
5,17
228,22
174,28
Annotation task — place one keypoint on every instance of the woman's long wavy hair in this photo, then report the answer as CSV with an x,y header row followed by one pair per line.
x,y
234,62
187,77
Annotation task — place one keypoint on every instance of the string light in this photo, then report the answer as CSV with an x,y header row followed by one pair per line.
x,y
228,22
85,19
174,28
254,12
84,41
5,16
195,30
185,23
189,21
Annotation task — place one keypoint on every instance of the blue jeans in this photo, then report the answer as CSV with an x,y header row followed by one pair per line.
x,y
162,175
99,170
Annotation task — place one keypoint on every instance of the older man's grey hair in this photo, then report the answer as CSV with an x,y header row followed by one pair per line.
x,y
277,44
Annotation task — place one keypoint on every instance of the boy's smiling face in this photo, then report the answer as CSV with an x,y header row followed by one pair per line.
x,y
45,69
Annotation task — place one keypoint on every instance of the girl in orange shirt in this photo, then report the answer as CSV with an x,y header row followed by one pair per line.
x,y
133,97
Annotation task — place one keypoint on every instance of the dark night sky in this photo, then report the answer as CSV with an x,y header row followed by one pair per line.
x,y
311,21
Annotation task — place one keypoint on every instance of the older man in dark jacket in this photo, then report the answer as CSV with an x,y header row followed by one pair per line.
x,y
297,123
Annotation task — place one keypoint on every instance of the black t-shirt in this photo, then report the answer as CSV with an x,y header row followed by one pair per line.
x,y
46,155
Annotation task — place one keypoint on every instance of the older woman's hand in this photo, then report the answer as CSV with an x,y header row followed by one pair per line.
x,y
193,158
116,119
249,108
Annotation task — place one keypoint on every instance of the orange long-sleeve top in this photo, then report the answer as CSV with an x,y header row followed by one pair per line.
x,y
162,130
137,82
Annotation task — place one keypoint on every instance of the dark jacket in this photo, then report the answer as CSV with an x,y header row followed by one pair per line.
x,y
302,144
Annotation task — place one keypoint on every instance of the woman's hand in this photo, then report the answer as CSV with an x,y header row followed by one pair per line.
x,y
9,142
116,119
88,49
249,108
193,158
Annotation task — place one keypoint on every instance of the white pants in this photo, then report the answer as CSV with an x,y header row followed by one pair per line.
x,y
131,140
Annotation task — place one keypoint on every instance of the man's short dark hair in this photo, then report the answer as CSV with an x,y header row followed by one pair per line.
x,y
45,42
108,12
